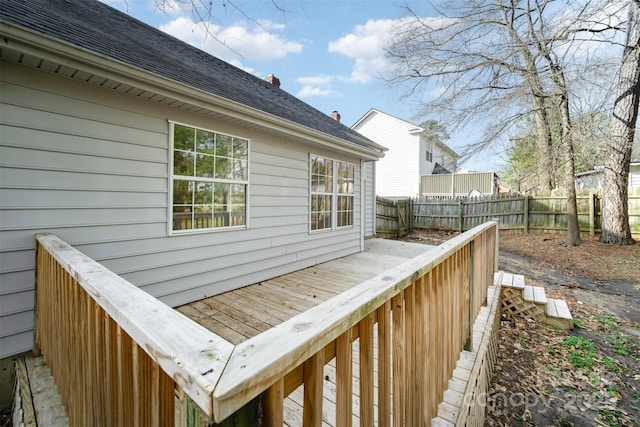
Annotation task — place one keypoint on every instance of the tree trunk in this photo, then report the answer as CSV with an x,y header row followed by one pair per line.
x,y
545,170
573,227
615,211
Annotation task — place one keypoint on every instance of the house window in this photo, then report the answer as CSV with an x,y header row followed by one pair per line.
x,y
345,194
332,193
429,156
209,179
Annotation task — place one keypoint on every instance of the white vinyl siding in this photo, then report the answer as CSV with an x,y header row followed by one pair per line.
x,y
397,173
369,199
92,166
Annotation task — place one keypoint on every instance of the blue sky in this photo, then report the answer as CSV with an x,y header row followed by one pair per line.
x,y
327,53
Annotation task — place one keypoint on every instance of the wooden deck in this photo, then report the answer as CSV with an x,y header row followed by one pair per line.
x,y
244,313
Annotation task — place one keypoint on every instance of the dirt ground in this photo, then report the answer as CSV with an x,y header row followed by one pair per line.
x,y
589,376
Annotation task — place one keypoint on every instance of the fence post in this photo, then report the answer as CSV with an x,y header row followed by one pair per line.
x,y
592,213
468,345
396,203
460,215
526,214
497,248
410,216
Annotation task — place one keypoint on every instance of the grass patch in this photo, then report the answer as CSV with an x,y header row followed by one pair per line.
x,y
619,343
579,323
582,351
608,321
611,364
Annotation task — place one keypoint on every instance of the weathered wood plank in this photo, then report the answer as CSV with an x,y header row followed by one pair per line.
x,y
344,380
190,354
313,377
384,365
366,371
273,404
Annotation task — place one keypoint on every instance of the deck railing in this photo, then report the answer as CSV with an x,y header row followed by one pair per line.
x,y
420,314
119,356
107,341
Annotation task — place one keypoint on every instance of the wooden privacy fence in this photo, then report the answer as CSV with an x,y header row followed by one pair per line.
x,y
119,356
392,217
526,213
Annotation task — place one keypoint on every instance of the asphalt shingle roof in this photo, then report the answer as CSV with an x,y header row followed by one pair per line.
x,y
101,29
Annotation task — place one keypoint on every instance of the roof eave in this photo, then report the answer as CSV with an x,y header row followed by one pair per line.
x,y
20,38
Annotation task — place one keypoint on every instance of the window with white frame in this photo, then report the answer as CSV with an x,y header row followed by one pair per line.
x,y
209,179
332,193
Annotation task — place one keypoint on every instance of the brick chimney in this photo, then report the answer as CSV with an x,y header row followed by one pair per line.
x,y
273,80
335,116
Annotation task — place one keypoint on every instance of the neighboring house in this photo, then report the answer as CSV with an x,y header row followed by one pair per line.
x,y
183,174
594,179
462,184
411,154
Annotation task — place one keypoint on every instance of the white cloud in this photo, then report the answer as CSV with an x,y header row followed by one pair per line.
x,y
316,86
366,45
235,41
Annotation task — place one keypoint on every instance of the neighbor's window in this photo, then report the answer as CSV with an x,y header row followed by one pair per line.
x,y
429,156
210,179
332,193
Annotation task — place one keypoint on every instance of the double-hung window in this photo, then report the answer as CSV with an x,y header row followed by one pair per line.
x,y
332,193
209,179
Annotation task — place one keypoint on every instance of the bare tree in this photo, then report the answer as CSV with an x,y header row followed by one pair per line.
x,y
615,215
504,61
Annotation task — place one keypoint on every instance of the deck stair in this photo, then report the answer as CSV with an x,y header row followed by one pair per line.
x,y
531,302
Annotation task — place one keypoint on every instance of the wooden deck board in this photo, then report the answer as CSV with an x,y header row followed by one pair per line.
x,y
243,313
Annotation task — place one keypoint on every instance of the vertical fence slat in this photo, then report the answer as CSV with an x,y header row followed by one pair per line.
x,y
313,376
409,324
469,343
434,333
422,330
384,365
399,354
344,380
366,371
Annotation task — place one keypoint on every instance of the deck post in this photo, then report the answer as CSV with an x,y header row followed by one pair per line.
x,y
497,248
247,416
468,345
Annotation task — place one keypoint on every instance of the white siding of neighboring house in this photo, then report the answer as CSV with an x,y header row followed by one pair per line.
x,y
397,173
445,158
440,155
91,166
426,167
